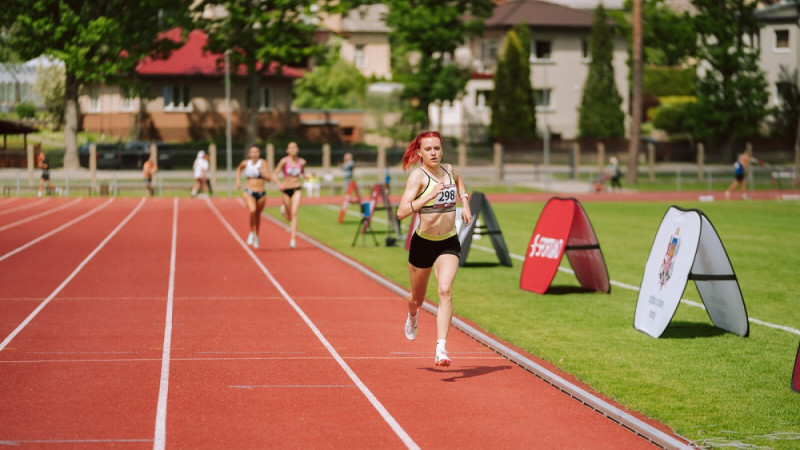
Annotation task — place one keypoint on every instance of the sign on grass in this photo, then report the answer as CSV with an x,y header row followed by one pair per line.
x,y
563,227
796,372
687,247
480,208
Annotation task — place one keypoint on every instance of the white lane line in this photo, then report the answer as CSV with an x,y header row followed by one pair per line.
x,y
636,289
25,206
160,439
293,386
399,431
16,442
66,281
41,214
57,230
625,419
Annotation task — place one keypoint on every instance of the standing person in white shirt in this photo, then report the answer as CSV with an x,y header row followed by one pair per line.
x,y
200,169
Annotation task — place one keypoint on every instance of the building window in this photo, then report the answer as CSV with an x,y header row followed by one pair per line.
x,y
176,98
585,51
483,99
541,50
266,99
782,39
543,97
360,57
94,99
488,56
127,99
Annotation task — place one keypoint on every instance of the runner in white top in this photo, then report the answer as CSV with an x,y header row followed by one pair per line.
x,y
255,170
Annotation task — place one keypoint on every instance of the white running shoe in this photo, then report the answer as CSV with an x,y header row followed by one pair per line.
x,y
411,327
255,242
292,243
441,357
250,238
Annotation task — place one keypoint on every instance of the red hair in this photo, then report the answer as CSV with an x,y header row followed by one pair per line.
x,y
411,156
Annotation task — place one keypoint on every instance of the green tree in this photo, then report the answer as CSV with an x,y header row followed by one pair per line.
x,y
668,36
430,31
259,33
731,90
333,84
49,86
98,41
600,112
513,104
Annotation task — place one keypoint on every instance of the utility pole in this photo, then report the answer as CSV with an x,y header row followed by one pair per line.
x,y
636,100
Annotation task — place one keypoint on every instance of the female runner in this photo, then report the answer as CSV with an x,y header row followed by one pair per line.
x,y
431,191
255,169
288,175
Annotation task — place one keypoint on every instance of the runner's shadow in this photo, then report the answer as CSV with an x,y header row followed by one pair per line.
x,y
691,330
467,372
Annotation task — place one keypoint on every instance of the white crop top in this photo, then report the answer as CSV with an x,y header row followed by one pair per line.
x,y
253,170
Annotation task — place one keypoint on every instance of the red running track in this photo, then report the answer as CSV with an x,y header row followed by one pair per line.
x,y
148,323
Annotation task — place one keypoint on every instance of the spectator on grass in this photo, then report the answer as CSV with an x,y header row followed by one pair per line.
x,y
200,170
255,195
288,175
740,168
613,173
432,191
149,169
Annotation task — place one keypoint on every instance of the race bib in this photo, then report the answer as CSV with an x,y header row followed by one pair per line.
x,y
447,197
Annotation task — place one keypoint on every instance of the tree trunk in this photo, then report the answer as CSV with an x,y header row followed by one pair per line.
x,y
71,122
636,100
253,99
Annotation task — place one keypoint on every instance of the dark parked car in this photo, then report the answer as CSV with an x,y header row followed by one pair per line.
x,y
109,156
125,156
136,153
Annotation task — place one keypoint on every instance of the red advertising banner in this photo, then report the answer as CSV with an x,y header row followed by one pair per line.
x,y
796,372
563,227
350,197
584,254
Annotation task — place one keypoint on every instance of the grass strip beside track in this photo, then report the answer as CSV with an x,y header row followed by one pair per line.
x,y
715,388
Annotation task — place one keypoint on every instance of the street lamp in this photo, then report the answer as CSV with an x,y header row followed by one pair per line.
x,y
228,150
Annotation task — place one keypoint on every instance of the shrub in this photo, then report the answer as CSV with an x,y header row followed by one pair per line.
x,y
26,110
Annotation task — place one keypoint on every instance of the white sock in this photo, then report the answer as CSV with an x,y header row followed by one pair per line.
x,y
440,343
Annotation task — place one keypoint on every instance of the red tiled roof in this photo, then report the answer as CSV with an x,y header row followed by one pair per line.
x,y
538,14
191,59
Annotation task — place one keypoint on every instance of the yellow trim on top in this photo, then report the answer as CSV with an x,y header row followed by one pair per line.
x,y
436,237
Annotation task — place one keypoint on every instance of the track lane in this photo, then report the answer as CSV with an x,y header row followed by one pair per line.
x,y
23,209
22,232
245,370
85,368
31,275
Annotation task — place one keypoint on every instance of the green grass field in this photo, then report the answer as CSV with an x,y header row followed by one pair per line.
x,y
715,388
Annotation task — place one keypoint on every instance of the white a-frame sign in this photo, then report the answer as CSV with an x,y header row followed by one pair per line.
x,y
687,247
